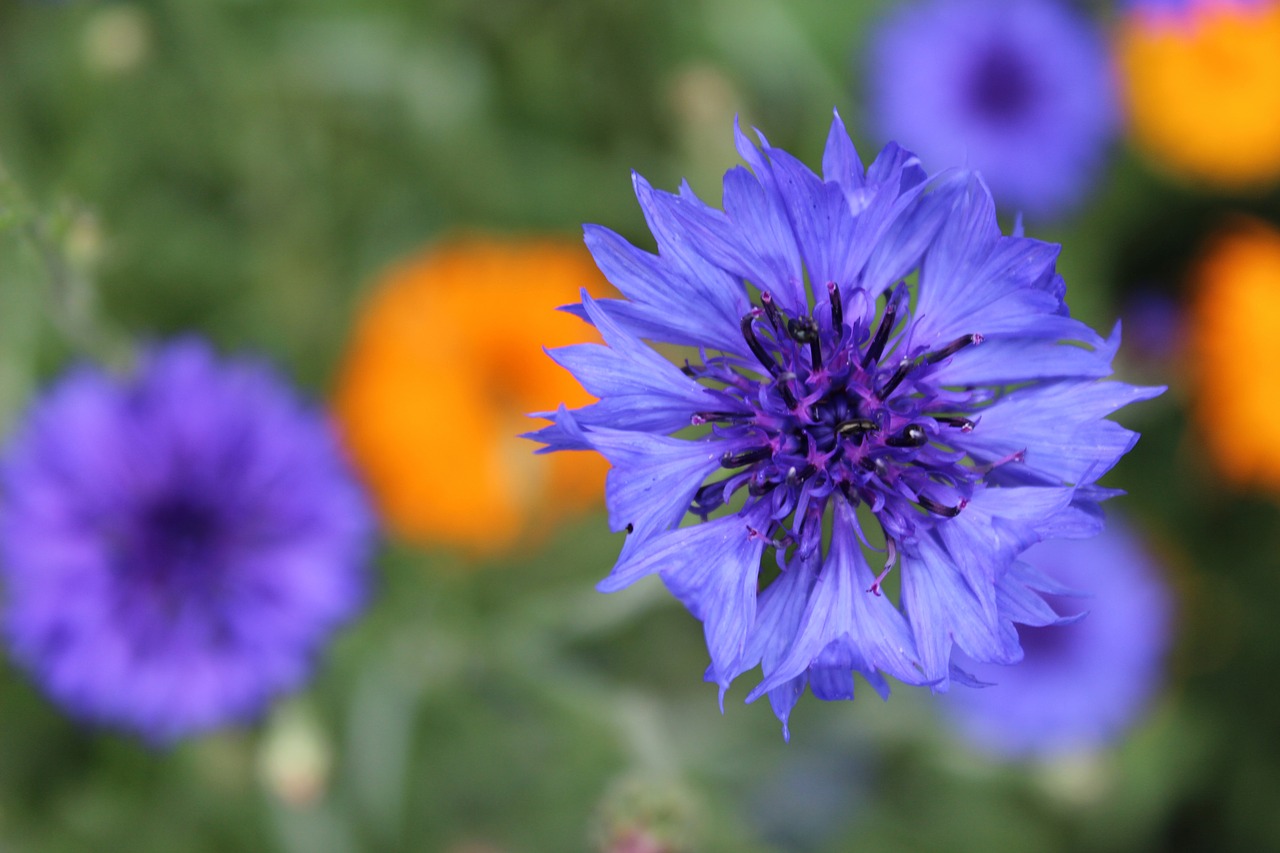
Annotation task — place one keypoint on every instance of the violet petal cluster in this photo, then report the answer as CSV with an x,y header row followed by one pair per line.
x,y
883,401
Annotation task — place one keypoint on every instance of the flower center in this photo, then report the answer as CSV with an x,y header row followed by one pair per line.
x,y
1000,87
834,407
175,544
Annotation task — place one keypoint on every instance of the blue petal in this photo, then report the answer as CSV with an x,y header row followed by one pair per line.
x,y
975,280
1060,427
768,254
823,224
1011,360
653,478
942,609
896,165
712,569
896,230
639,389
699,307
1020,602
844,621
840,162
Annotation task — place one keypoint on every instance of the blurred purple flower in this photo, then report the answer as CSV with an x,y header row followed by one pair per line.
x,y
179,545
1020,90
1080,685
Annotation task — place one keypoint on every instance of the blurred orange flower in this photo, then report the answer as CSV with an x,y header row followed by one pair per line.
x,y
1202,86
445,363
1235,352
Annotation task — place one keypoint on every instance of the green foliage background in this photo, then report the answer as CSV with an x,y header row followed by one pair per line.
x,y
242,168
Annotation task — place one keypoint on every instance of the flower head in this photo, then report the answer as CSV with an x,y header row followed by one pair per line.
x,y
1020,90
873,359
1202,87
430,393
1081,685
1234,352
177,546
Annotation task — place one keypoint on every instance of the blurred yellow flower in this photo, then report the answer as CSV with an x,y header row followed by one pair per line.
x,y
444,364
1202,87
1235,352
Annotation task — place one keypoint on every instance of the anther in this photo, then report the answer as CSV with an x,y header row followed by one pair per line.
x,y
837,308
630,528
964,424
799,476
912,435
749,334
746,457
700,418
771,309
953,348
874,465
784,388
760,485
876,348
895,380
941,509
804,331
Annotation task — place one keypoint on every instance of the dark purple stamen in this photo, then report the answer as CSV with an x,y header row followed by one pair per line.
x,y
804,331
749,334
912,435
953,348
746,457
874,464
964,424
876,348
760,485
799,476
771,310
700,418
838,420
940,509
895,380
784,388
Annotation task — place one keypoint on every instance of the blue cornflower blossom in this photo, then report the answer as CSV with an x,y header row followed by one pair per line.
x,y
1020,90
1118,650
869,355
177,546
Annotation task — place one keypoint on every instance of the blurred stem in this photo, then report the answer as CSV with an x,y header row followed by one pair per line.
x,y
534,641
69,295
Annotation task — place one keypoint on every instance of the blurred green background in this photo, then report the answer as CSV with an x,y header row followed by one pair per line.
x,y
244,169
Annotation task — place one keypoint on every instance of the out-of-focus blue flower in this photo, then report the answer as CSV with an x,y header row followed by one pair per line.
x,y
1080,685
1020,90
826,389
177,546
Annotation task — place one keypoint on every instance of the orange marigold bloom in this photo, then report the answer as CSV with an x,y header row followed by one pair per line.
x,y
1235,352
1202,87
445,363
